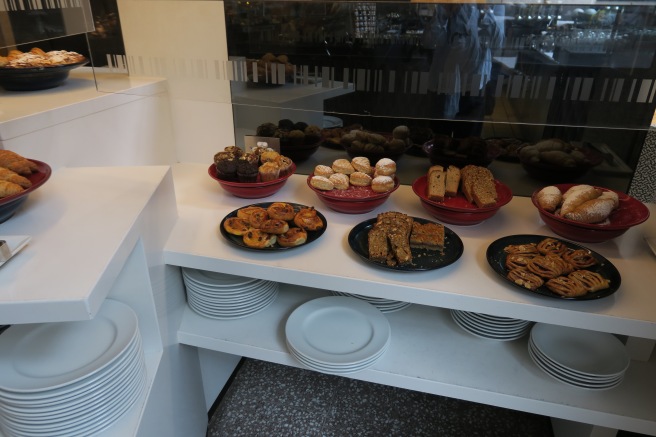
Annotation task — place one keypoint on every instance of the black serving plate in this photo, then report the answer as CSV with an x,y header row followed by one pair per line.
x,y
37,78
496,257
422,259
238,240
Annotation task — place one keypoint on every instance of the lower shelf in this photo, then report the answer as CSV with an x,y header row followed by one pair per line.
x,y
430,353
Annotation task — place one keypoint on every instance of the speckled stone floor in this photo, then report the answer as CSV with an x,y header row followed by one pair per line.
x,y
266,399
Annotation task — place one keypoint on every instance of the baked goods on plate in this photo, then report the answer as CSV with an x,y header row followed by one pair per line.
x,y
19,176
539,264
36,69
396,241
273,226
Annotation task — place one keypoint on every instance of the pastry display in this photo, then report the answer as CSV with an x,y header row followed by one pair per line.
x,y
37,58
14,172
550,262
290,133
259,165
356,177
263,67
273,225
360,142
445,150
581,203
476,183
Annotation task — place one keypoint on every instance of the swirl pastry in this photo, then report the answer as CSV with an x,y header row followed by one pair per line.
x,y
308,219
525,249
525,279
517,261
281,211
245,213
592,281
256,218
566,286
551,245
544,267
236,226
293,237
274,226
580,258
257,239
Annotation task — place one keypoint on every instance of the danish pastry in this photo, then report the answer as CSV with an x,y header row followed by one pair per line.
x,y
257,239
308,219
592,281
245,213
580,258
551,245
293,237
517,261
236,226
525,249
525,279
544,267
274,226
256,218
566,286
281,211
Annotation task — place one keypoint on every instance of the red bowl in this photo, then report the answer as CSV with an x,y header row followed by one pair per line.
x,y
355,200
457,210
251,190
630,212
10,204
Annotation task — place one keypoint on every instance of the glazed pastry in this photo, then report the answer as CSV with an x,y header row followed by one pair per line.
x,y
517,261
258,239
564,266
385,167
256,218
549,198
293,237
15,162
321,183
342,166
274,226
580,258
526,249
360,179
281,211
340,181
308,219
592,281
9,189
591,211
577,195
12,176
525,279
245,213
382,184
551,245
323,170
236,226
362,164
544,267
566,286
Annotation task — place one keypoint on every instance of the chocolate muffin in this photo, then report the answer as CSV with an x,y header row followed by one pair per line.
x,y
226,165
248,167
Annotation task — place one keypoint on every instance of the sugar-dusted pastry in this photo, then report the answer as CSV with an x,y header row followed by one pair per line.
x,y
293,237
611,195
9,189
323,170
592,211
577,195
385,167
259,240
566,286
343,166
362,164
12,176
236,226
15,162
340,181
321,183
281,211
549,198
360,179
382,184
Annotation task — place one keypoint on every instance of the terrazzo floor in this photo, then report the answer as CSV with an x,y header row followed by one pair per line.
x,y
266,399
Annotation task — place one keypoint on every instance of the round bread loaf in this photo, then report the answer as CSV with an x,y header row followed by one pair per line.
x,y
382,184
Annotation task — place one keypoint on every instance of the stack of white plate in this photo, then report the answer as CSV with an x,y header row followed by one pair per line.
x,y
71,378
384,305
337,334
579,357
223,296
491,327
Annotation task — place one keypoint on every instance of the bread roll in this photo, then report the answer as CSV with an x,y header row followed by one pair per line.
x,y
340,181
385,167
321,183
549,198
577,195
592,211
343,166
382,184
360,179
323,170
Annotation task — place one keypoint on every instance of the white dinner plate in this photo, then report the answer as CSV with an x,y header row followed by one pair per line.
x,y
384,305
336,369
37,357
233,306
236,297
485,332
588,352
337,330
217,280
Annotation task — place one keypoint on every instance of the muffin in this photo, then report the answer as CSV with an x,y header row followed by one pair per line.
x,y
247,167
269,171
285,164
296,137
234,149
269,155
266,130
312,134
226,165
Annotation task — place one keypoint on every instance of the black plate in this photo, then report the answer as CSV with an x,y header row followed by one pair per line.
x,y
37,78
497,259
238,241
422,259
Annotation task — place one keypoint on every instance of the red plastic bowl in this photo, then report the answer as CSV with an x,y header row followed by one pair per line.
x,y
251,190
355,200
630,212
10,204
457,210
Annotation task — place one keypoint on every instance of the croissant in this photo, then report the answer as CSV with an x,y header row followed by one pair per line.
x,y
15,162
12,176
9,188
576,195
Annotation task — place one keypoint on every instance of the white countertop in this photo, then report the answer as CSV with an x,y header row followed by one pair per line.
x,y
82,224
469,284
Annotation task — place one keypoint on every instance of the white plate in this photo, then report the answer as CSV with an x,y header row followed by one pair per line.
x,y
233,306
226,315
487,334
493,320
15,244
233,297
491,327
336,370
214,279
337,330
37,357
588,352
384,305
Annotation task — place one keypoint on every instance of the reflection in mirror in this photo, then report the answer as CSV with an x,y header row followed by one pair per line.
x,y
472,82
